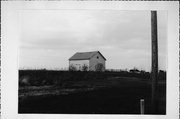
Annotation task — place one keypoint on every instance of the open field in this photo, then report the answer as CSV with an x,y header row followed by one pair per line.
x,y
112,95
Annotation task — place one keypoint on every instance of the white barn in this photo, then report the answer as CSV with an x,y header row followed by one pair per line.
x,y
87,61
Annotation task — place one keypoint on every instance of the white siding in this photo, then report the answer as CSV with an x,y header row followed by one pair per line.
x,y
94,61
79,63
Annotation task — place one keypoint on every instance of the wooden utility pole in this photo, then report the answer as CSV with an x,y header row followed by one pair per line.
x,y
154,72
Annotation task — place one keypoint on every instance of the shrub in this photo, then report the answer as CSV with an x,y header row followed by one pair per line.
x,y
72,68
84,67
99,67
24,81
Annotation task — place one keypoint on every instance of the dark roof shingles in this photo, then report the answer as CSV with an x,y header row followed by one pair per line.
x,y
84,55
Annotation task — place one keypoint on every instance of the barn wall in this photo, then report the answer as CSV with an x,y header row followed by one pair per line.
x,y
94,61
79,63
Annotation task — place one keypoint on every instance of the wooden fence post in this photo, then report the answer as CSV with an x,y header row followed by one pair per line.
x,y
142,106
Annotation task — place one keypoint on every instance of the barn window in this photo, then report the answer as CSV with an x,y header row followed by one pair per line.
x,y
97,57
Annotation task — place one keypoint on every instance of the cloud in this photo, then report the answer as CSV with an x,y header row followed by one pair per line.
x,y
50,37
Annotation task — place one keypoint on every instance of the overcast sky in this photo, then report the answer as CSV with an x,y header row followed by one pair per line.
x,y
50,37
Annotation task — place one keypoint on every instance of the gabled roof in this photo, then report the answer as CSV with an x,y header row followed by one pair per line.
x,y
85,55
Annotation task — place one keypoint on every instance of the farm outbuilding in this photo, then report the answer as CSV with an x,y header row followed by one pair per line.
x,y
87,61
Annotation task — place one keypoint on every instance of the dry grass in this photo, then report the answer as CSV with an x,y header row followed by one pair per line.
x,y
115,95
